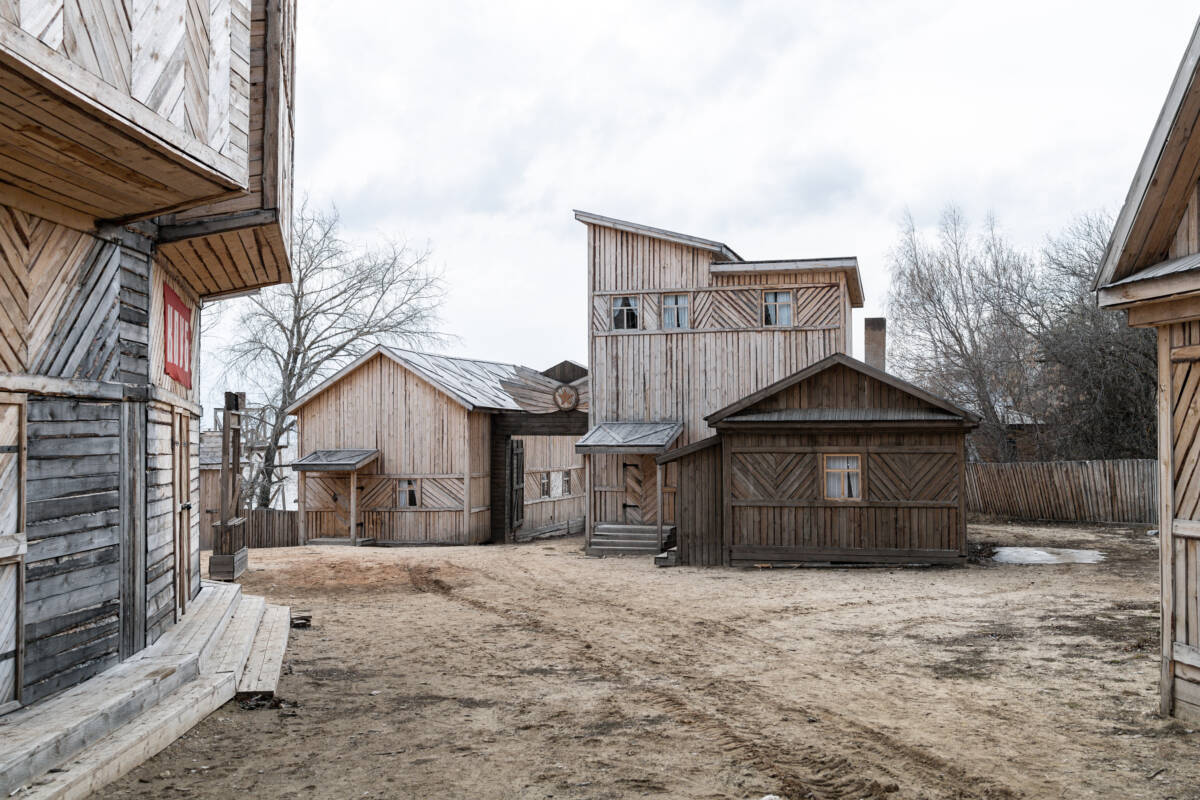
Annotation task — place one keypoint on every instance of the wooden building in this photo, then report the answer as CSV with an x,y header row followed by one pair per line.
x,y
1151,270
680,327
839,462
402,447
146,169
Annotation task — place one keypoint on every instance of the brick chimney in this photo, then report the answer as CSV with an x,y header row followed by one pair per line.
x,y
875,342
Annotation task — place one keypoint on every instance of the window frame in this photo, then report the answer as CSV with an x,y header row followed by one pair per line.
x,y
623,312
414,486
566,483
776,304
675,307
843,472
544,485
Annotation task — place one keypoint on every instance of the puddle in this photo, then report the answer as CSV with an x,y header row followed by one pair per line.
x,y
1045,555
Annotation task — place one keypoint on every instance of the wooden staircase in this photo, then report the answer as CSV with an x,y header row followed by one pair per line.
x,y
629,540
73,744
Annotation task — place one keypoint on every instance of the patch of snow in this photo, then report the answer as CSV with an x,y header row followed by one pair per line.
x,y
1046,555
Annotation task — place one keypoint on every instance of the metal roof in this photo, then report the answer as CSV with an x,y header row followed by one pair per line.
x,y
335,460
1162,269
629,437
847,415
473,382
720,248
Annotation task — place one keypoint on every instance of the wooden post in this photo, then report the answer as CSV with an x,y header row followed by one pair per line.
x,y
301,512
353,507
658,478
588,514
1166,519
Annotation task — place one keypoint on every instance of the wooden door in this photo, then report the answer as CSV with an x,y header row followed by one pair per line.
x,y
640,506
516,483
12,529
182,489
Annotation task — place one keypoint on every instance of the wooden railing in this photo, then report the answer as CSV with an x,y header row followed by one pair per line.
x,y
1066,491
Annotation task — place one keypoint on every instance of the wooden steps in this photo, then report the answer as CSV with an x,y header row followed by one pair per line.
x,y
99,730
261,675
667,558
629,540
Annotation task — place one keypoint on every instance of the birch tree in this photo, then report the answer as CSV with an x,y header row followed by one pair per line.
x,y
343,300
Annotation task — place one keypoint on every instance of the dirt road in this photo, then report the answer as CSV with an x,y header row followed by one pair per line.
x,y
534,672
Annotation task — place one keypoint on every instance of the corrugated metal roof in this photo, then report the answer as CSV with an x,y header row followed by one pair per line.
x,y
1163,268
720,248
847,415
631,437
475,382
335,460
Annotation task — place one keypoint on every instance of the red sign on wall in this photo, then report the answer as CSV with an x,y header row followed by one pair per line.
x,y
178,340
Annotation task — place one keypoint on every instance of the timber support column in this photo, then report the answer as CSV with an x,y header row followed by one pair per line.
x,y
354,508
302,519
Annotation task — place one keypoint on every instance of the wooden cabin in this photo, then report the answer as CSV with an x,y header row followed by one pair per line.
x,y
146,170
837,463
681,327
1151,270
402,447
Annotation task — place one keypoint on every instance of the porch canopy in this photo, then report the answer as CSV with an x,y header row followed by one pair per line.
x,y
646,438
335,460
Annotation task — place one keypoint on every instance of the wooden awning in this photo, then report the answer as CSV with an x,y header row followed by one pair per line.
x,y
335,460
648,438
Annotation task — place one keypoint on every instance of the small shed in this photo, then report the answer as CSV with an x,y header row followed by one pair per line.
x,y
840,462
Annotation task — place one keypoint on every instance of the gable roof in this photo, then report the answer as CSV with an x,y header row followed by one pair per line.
x,y
846,361
1165,177
472,383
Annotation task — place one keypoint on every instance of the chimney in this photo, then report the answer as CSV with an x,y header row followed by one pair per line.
x,y
875,342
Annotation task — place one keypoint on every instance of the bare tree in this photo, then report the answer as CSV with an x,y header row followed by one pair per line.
x,y
947,333
342,301
1018,339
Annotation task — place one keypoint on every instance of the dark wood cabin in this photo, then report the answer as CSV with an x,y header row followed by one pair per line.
x,y
134,189
1151,270
839,462
403,447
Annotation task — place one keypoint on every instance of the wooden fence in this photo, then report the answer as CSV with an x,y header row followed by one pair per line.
x,y
265,527
1066,491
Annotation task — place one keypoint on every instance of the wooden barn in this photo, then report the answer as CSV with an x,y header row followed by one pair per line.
x,y
1151,270
839,462
680,327
146,171
402,447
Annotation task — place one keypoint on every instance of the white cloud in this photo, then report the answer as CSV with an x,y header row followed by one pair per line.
x,y
784,129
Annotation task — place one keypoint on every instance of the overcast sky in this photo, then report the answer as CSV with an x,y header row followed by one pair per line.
x,y
784,129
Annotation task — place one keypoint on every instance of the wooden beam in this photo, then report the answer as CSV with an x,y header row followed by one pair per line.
x,y
1164,312
1166,515
217,224
354,507
658,479
302,506
65,387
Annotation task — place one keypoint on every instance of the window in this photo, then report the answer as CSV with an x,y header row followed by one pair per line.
x,y
544,480
843,478
625,313
777,309
566,483
406,496
675,311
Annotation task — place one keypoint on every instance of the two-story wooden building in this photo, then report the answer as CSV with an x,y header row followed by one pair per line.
x,y
725,403
145,169
1151,270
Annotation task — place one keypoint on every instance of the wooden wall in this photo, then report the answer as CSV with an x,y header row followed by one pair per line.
x,y
422,435
912,507
656,375
72,592
699,522
563,512
1120,490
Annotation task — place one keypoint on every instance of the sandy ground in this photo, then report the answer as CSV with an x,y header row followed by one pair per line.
x,y
532,671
